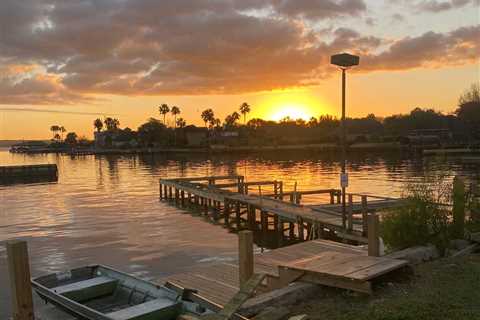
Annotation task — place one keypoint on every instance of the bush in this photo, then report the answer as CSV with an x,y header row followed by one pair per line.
x,y
421,220
416,222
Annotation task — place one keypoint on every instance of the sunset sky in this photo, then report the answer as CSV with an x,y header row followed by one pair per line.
x,y
69,62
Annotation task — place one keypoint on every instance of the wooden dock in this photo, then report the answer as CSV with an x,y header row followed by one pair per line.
x,y
228,200
28,173
320,262
232,204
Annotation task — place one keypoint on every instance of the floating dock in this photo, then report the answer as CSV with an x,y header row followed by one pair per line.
x,y
28,173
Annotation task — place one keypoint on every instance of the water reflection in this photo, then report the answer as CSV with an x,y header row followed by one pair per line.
x,y
105,209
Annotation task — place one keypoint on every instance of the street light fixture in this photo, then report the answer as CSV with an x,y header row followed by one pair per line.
x,y
344,61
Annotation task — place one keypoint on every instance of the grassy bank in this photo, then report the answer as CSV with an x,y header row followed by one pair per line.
x,y
444,289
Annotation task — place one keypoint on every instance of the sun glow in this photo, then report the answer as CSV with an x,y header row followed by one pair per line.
x,y
299,104
291,111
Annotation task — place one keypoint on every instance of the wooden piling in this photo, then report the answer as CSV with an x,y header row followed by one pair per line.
x,y
332,197
19,273
226,213
364,215
301,229
245,256
238,215
350,213
373,235
160,189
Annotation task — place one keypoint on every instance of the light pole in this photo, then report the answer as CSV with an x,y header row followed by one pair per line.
x,y
344,61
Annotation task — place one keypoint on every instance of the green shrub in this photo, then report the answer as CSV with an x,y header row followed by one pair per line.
x,y
421,220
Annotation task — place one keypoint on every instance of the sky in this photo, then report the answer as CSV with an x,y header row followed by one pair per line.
x,y
68,62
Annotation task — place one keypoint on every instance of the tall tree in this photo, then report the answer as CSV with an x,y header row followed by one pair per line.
x,y
111,124
71,138
244,110
164,109
175,110
208,117
232,119
181,123
62,130
55,128
98,125
469,105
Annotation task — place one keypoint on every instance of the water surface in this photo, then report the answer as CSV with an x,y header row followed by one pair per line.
x,y
105,209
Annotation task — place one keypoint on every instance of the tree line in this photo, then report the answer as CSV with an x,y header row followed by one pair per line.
x,y
463,124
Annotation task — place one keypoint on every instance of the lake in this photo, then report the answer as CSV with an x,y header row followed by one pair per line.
x,y
105,209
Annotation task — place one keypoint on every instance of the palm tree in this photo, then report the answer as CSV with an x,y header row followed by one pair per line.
x,y
164,109
62,131
175,110
54,130
98,124
111,123
208,116
231,119
244,109
181,123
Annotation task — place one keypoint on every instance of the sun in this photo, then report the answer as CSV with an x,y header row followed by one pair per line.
x,y
293,112
293,104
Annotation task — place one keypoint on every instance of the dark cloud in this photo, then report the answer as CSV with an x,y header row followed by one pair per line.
x,y
61,52
436,6
81,113
319,9
430,49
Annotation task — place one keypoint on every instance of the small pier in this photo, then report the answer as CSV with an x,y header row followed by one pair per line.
x,y
312,242
28,173
273,212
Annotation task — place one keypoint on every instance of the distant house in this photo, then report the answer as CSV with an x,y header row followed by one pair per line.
x,y
195,136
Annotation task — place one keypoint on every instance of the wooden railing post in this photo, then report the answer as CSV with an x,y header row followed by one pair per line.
x,y
373,235
19,272
245,256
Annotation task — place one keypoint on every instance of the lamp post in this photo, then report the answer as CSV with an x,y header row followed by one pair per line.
x,y
344,61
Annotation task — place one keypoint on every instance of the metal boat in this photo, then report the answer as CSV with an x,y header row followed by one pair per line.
x,y
102,293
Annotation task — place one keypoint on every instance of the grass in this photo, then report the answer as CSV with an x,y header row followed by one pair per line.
x,y
444,289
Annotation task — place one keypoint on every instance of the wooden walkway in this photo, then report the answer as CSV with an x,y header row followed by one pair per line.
x,y
321,262
232,203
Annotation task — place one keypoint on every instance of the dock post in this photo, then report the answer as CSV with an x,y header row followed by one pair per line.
x,y
161,191
245,256
298,198
216,210
373,235
364,215
238,214
205,206
165,193
301,227
281,190
339,197
264,222
182,198
226,213
275,189
170,193
280,231
19,273
177,197
252,219
350,213
291,231
332,197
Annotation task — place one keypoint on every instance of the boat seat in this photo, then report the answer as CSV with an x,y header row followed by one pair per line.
x,y
87,289
164,309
